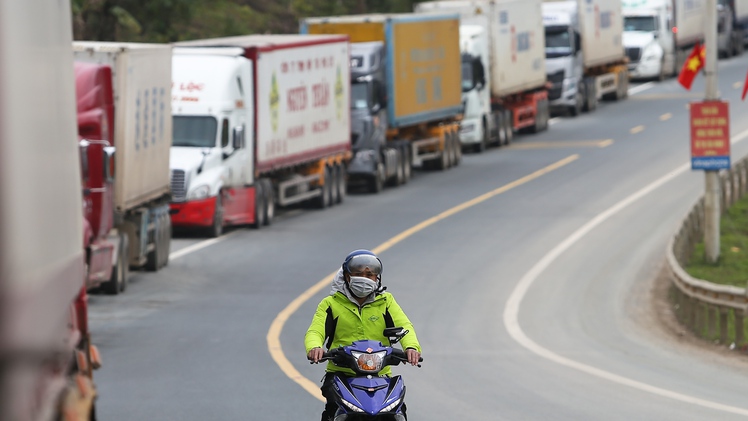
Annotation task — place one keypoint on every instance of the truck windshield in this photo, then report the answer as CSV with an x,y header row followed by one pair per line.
x,y
467,76
360,96
557,42
640,23
194,131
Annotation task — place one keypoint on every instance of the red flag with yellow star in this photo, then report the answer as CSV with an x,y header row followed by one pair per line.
x,y
691,67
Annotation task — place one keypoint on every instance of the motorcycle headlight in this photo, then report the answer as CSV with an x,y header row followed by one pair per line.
x,y
200,193
351,406
391,406
369,363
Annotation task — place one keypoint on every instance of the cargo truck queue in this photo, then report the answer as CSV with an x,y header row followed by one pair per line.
x,y
206,134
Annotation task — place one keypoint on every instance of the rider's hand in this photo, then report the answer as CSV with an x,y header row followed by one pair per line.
x,y
413,356
315,354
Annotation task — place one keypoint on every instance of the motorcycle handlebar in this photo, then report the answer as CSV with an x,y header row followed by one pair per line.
x,y
397,354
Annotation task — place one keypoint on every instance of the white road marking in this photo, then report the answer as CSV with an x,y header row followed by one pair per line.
x,y
511,311
643,87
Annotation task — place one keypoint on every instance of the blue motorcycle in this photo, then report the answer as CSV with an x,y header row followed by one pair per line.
x,y
368,396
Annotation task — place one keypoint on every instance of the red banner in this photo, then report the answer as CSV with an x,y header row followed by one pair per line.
x,y
710,129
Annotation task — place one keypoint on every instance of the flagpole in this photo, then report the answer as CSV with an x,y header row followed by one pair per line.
x,y
712,188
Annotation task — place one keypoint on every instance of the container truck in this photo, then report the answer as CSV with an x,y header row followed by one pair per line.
x,y
503,68
259,121
45,347
659,35
585,58
406,99
124,126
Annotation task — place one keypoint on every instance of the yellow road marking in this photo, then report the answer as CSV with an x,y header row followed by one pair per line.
x,y
737,85
667,96
665,117
571,144
276,327
636,129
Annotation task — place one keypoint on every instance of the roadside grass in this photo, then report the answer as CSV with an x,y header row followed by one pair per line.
x,y
732,266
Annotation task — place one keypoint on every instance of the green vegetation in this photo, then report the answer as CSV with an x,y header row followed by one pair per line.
x,y
732,267
178,20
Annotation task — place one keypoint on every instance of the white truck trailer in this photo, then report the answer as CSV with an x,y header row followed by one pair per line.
x,y
585,59
259,121
503,68
659,35
136,127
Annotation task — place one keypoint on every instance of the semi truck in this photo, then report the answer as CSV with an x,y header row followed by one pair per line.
x,y
659,35
406,95
124,129
259,121
45,346
503,68
585,58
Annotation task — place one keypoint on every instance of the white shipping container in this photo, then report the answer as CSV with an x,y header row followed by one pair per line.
x,y
303,100
142,117
600,26
689,16
741,10
517,39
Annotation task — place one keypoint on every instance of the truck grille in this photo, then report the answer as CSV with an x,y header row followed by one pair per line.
x,y
634,54
178,185
557,80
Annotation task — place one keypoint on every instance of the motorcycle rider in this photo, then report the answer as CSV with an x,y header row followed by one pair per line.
x,y
356,309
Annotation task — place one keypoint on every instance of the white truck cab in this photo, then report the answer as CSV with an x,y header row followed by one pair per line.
x,y
476,93
212,121
648,39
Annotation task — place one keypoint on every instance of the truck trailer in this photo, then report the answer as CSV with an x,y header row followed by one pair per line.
x,y
124,127
585,58
659,35
259,121
45,346
406,99
502,49
732,27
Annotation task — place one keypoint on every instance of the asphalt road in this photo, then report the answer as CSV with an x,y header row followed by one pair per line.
x,y
532,302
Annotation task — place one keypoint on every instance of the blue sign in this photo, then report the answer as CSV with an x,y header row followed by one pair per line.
x,y
710,163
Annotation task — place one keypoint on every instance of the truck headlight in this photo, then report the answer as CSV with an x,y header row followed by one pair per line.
x,y
200,192
467,127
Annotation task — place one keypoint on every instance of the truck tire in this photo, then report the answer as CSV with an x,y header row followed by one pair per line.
x,y
481,146
590,103
442,163
269,200
155,259
508,127
457,147
167,241
118,281
376,182
260,206
333,171
217,228
323,200
578,106
498,123
340,182
405,162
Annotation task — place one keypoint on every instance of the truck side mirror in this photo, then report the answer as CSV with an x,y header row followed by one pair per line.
x,y
479,73
83,146
237,137
577,42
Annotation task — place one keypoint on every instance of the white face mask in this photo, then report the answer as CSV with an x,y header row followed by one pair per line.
x,y
362,286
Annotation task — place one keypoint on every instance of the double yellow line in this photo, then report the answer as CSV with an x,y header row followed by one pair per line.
x,y
273,335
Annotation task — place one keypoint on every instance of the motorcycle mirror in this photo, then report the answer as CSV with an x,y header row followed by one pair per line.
x,y
394,334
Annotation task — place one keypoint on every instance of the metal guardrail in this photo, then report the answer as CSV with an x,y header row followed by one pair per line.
x,y
714,312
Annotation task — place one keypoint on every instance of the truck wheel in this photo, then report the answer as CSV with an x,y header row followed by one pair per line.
x,y
405,162
442,163
118,281
217,228
376,183
449,149
260,207
269,200
498,120
508,127
457,147
340,183
323,200
167,240
591,98
400,171
334,200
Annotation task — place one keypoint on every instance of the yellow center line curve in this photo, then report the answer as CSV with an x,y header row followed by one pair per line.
x,y
666,116
737,85
605,143
636,129
276,327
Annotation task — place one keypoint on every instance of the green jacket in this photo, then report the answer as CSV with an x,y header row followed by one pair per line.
x,y
338,322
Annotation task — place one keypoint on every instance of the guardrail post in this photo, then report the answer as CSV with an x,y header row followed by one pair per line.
x,y
711,317
723,315
698,325
739,332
